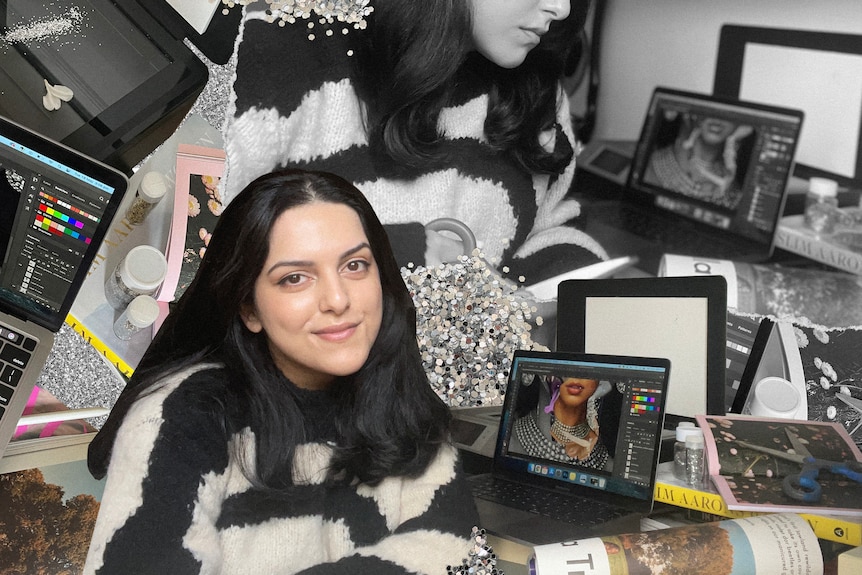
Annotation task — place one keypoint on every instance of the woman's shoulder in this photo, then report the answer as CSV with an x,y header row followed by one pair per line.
x,y
199,389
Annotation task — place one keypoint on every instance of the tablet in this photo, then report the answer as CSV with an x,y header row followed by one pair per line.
x,y
682,319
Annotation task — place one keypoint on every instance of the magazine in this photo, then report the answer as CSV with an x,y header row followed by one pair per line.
x,y
197,206
764,545
781,465
829,298
47,519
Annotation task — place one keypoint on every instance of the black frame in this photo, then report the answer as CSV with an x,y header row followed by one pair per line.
x,y
733,41
571,328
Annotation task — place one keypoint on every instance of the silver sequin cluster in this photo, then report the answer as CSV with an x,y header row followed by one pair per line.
x,y
349,12
469,322
481,559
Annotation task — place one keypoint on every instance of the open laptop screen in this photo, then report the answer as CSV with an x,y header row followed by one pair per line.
x,y
586,420
55,207
721,162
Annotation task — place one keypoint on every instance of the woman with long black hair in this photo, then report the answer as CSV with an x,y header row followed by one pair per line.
x,y
281,421
433,108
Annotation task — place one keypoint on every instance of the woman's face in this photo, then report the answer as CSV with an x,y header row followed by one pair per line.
x,y
504,31
575,391
318,297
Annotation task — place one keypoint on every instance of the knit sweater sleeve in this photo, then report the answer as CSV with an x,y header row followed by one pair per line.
x,y
167,444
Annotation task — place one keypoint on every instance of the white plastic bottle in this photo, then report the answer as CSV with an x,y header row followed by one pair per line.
x,y
139,314
821,205
683,430
141,272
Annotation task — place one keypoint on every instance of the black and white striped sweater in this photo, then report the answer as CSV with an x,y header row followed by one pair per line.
x,y
293,104
176,501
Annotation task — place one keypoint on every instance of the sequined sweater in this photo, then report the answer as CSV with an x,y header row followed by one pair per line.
x,y
177,502
293,103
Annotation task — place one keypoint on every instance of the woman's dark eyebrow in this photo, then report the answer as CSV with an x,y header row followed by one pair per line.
x,y
304,263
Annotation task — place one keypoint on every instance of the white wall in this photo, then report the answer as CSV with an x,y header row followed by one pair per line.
x,y
674,43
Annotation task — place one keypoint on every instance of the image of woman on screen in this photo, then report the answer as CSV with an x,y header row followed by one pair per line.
x,y
563,423
701,157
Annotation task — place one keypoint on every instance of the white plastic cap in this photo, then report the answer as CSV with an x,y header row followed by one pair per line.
x,y
823,187
142,311
153,186
143,268
684,429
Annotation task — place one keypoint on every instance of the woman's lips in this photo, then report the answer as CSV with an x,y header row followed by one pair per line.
x,y
337,332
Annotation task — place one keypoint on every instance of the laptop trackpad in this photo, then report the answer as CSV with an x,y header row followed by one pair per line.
x,y
525,527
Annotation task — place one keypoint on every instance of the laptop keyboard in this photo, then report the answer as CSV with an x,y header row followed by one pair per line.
x,y
15,352
679,233
563,507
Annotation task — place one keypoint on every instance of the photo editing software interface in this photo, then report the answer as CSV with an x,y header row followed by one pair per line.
x,y
50,212
743,188
629,416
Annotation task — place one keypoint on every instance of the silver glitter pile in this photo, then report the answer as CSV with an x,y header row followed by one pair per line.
x,y
469,321
45,29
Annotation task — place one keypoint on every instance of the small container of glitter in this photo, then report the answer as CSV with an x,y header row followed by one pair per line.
x,y
141,272
151,190
139,314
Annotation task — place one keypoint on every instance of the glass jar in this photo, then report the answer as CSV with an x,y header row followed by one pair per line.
x,y
695,460
821,205
151,190
138,315
141,272
683,430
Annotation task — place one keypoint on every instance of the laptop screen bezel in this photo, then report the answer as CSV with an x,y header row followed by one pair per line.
x,y
106,175
516,465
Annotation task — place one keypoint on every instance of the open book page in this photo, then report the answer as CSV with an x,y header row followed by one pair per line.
x,y
760,464
763,545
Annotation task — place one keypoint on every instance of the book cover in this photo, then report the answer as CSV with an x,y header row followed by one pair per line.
x,y
842,250
706,501
824,297
197,206
755,464
47,517
832,371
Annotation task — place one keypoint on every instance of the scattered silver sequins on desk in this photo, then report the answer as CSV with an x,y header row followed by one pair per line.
x,y
469,321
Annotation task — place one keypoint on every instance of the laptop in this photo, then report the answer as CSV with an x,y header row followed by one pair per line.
x,y
56,206
708,178
554,481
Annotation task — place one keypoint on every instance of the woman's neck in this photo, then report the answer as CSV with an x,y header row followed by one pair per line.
x,y
570,415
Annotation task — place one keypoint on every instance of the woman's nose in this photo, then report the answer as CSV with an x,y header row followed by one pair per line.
x,y
558,9
333,294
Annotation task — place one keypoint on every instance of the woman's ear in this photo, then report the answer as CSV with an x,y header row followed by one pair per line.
x,y
250,319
